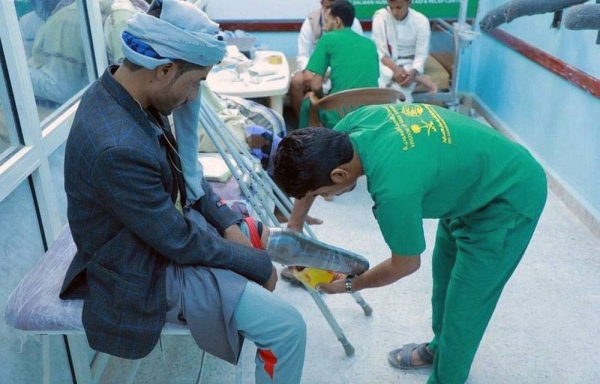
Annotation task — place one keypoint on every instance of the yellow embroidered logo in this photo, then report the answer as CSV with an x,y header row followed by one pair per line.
x,y
412,110
429,126
409,129
441,123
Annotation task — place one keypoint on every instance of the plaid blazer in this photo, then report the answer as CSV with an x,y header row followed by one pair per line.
x,y
124,222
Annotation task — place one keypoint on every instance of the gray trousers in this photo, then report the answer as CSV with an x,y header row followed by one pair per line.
x,y
221,308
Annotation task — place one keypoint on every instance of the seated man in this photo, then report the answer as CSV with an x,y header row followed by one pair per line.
x,y
311,31
352,60
144,254
402,38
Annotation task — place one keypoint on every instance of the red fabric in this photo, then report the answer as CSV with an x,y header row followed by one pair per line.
x,y
254,236
270,360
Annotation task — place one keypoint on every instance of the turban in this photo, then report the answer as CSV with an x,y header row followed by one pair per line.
x,y
182,32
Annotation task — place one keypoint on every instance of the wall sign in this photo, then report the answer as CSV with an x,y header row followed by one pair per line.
x,y
446,9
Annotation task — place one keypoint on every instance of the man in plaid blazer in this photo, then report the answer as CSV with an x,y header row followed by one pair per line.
x,y
145,256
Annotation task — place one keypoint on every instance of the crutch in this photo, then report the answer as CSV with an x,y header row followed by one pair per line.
x,y
260,190
257,188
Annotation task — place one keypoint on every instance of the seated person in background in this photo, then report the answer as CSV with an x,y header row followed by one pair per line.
x,y
402,38
352,60
145,255
57,64
310,33
31,22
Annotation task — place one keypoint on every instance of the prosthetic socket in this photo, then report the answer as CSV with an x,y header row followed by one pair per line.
x,y
294,248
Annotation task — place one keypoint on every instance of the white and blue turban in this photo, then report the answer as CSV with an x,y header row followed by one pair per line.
x,y
182,32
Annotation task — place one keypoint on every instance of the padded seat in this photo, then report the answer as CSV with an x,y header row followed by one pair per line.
x,y
438,73
34,308
34,305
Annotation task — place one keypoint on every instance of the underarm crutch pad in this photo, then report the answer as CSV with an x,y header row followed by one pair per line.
x,y
289,247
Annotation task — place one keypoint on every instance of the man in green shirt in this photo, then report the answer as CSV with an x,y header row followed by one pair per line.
x,y
352,60
421,162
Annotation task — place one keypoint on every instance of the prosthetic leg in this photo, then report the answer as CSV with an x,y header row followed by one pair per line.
x,y
293,248
263,195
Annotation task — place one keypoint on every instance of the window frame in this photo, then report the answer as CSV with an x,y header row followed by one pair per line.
x,y
28,158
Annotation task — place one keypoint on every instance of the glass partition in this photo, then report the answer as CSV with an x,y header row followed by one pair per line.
x,y
4,139
22,247
48,56
52,36
9,139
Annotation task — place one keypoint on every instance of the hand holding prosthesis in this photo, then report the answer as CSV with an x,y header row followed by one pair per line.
x,y
294,248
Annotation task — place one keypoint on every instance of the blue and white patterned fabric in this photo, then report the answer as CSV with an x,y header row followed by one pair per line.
x,y
182,32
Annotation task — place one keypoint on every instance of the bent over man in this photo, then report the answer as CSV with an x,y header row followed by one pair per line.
x,y
421,162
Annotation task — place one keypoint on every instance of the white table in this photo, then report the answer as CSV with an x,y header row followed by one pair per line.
x,y
257,79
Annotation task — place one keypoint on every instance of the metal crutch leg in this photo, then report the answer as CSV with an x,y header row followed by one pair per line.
x,y
259,189
335,327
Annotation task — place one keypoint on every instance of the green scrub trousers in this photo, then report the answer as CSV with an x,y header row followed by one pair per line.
x,y
488,192
470,269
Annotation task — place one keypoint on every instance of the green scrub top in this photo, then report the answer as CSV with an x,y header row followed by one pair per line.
x,y
422,161
353,60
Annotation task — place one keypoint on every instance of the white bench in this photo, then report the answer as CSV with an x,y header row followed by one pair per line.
x,y
34,308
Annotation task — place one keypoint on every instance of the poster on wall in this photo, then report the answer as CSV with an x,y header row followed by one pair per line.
x,y
446,9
